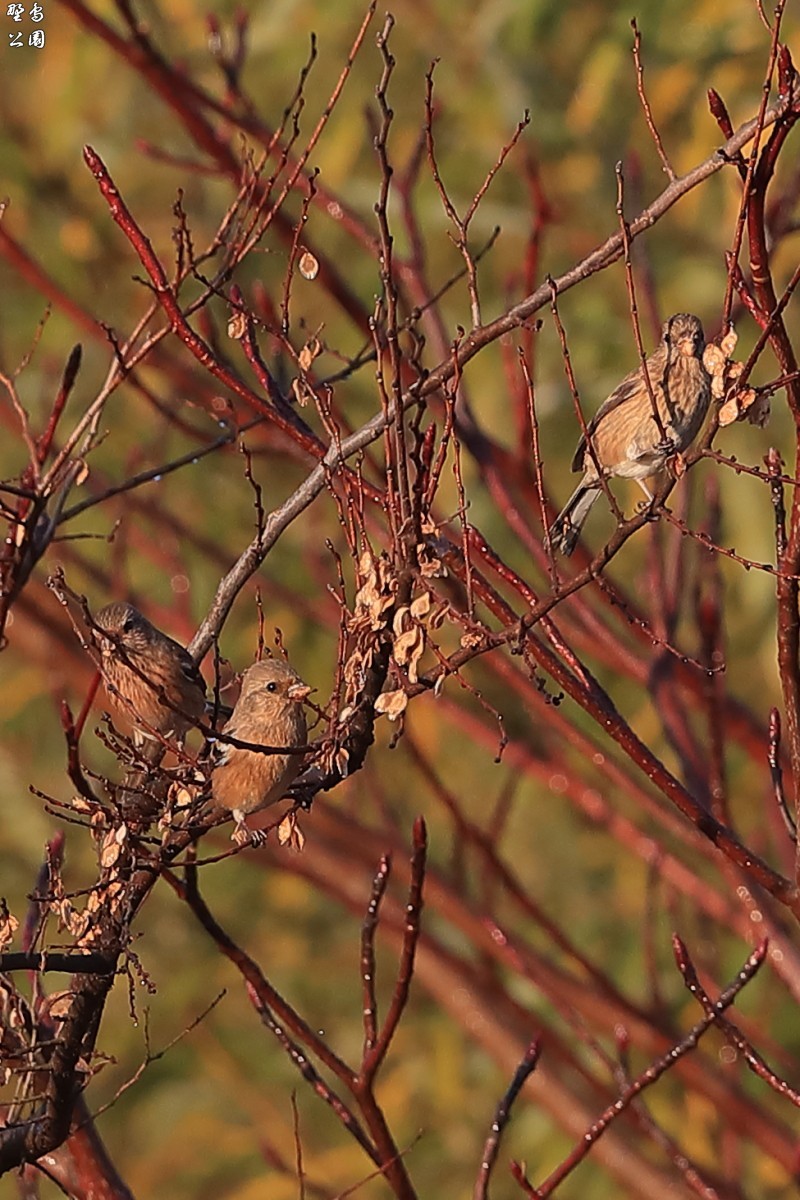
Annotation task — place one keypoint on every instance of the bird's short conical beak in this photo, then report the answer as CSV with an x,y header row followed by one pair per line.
x,y
299,691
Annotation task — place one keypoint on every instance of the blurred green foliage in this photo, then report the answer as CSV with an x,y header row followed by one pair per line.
x,y
190,1128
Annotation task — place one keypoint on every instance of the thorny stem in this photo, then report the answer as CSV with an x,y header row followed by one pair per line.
x,y
654,1072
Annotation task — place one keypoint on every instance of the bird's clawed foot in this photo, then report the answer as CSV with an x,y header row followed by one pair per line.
x,y
677,465
243,836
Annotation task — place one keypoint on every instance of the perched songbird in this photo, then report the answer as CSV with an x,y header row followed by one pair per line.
x,y
147,674
624,434
269,712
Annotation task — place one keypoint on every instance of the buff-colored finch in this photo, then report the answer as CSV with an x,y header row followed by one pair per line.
x,y
148,676
624,434
269,712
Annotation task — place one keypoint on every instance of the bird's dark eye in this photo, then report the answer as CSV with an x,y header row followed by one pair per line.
x,y
272,687
128,624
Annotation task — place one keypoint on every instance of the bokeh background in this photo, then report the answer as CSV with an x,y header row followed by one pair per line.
x,y
192,1126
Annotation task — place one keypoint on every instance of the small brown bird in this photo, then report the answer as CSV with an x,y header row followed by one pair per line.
x,y
624,434
269,712
147,674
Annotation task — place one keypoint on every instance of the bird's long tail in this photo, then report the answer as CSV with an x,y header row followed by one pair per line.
x,y
566,529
